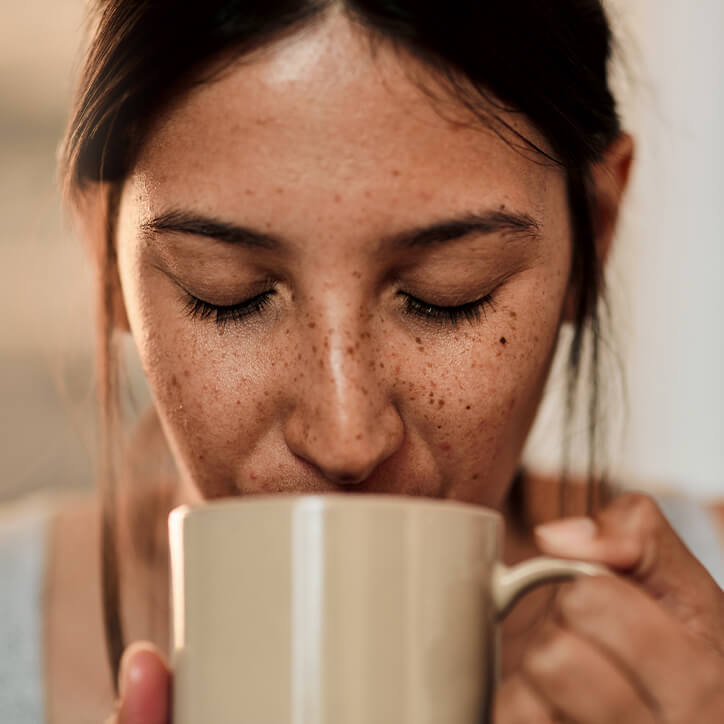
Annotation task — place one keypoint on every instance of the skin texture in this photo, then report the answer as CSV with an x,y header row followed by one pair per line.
x,y
335,385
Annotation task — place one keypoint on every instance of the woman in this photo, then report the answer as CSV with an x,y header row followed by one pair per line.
x,y
344,237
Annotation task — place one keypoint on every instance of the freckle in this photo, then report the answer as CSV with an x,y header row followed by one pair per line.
x,y
174,381
201,458
441,403
238,402
368,194
350,350
358,437
279,190
475,477
395,172
513,314
314,348
503,340
321,364
420,349
337,198
364,391
418,340
382,365
445,446
467,407
312,325
249,192
357,275
432,400
186,373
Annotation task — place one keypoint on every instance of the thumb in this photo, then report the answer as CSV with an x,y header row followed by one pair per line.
x,y
633,537
144,685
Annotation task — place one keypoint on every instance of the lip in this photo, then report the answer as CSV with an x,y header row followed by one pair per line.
x,y
367,487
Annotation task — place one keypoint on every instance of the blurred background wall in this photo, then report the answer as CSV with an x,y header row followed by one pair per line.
x,y
665,277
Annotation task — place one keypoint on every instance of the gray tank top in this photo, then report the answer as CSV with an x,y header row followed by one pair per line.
x,y
23,531
23,535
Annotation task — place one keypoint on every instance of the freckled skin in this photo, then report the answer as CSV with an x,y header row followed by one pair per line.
x,y
334,385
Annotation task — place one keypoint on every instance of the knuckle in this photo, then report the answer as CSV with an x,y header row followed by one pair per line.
x,y
516,703
587,595
642,510
546,661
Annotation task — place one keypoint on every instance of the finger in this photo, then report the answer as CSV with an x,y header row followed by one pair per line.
x,y
667,665
633,536
145,684
517,703
581,683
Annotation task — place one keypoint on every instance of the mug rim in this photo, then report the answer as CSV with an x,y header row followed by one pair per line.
x,y
328,501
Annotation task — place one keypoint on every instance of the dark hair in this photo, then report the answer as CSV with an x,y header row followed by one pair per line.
x,y
548,61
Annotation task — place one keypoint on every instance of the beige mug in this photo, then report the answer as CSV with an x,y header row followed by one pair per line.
x,y
341,609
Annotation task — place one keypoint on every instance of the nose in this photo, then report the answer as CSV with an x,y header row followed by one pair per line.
x,y
344,421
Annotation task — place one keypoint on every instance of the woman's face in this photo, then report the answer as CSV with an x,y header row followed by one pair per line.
x,y
391,281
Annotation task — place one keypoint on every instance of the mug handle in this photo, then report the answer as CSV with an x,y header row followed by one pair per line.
x,y
510,583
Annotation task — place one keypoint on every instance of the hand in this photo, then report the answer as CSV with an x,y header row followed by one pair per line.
x,y
144,684
645,646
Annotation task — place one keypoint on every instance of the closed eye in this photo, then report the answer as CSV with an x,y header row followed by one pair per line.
x,y
199,309
471,312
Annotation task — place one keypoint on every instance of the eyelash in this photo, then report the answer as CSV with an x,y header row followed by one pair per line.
x,y
470,312
198,309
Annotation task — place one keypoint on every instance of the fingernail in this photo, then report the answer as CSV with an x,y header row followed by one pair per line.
x,y
127,671
567,533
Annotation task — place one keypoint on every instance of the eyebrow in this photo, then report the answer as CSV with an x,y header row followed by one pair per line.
x,y
500,221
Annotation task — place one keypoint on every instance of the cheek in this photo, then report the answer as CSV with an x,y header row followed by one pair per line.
x,y
211,389
474,399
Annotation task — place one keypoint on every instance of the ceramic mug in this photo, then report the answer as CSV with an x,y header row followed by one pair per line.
x,y
341,609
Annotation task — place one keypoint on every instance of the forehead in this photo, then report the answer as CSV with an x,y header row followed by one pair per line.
x,y
325,115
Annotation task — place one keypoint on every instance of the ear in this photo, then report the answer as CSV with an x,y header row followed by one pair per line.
x,y
94,215
609,180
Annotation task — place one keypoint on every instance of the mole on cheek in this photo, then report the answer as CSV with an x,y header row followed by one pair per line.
x,y
503,340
